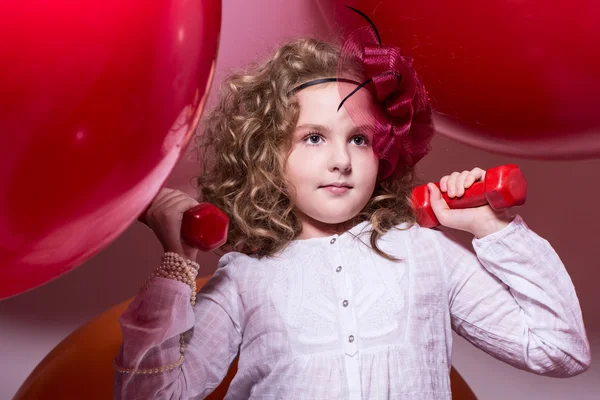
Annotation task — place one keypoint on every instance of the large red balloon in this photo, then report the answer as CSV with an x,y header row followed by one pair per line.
x,y
515,77
97,101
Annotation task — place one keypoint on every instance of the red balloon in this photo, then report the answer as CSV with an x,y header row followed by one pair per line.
x,y
98,100
514,77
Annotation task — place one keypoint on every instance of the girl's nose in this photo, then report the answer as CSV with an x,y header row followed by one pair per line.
x,y
339,160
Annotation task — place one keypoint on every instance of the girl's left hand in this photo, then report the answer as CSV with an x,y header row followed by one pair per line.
x,y
480,221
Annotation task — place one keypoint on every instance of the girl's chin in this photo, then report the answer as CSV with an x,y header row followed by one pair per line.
x,y
327,214
335,219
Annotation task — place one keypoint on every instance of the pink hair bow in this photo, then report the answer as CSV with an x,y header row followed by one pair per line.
x,y
403,131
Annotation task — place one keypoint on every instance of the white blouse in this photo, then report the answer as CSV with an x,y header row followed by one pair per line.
x,y
328,318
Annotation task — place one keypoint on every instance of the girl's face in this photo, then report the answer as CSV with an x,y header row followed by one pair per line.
x,y
331,163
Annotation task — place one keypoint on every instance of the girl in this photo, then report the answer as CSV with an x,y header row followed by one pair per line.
x,y
331,290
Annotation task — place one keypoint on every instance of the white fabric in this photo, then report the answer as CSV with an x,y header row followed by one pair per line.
x,y
297,339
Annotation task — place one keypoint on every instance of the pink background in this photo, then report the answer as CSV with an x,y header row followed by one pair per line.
x,y
561,207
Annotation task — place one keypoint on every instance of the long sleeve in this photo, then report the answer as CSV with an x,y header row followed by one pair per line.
x,y
515,300
151,328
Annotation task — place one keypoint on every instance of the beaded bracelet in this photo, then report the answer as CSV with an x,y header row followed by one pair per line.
x,y
165,368
173,266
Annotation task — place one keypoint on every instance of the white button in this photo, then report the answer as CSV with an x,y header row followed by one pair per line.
x,y
332,241
350,348
345,303
338,269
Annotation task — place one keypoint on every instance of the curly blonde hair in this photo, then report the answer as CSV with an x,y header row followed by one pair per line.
x,y
245,140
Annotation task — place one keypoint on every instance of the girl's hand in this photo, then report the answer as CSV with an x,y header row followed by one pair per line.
x,y
480,221
164,217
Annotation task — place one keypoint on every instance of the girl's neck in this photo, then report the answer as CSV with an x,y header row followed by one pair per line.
x,y
312,228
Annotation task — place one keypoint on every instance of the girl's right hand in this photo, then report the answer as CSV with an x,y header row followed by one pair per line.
x,y
164,217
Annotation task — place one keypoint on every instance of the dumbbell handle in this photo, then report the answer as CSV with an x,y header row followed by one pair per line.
x,y
503,187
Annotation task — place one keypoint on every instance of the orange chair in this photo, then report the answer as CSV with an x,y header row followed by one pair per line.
x,y
80,367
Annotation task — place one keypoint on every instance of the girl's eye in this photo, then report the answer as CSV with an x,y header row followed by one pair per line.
x,y
360,140
313,139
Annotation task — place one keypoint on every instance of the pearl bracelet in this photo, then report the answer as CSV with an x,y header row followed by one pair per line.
x,y
147,371
173,266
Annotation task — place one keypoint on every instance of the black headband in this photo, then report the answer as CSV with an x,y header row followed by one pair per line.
x,y
318,81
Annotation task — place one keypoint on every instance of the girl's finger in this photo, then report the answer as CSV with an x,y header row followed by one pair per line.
x,y
479,173
452,184
163,196
437,201
476,174
460,183
470,179
444,183
165,201
180,204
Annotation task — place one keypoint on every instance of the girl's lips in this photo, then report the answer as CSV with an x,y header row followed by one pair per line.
x,y
336,189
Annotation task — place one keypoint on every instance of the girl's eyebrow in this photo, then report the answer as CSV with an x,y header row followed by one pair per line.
x,y
361,128
316,127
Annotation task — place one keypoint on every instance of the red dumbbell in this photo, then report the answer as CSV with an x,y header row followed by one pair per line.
x,y
204,226
503,187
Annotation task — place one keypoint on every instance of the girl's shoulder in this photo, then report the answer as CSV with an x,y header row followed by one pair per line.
x,y
245,270
408,231
406,236
234,259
